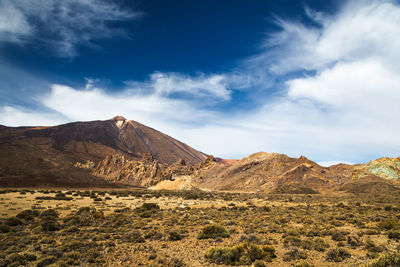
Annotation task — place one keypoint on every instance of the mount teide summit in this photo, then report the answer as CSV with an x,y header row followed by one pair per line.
x,y
48,155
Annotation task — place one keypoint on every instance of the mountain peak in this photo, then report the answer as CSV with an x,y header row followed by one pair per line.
x,y
118,118
119,121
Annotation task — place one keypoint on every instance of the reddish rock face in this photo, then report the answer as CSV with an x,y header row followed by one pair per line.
x,y
270,172
118,169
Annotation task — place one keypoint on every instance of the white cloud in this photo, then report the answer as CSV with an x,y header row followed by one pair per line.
x,y
331,163
12,116
13,24
166,84
360,29
61,24
94,103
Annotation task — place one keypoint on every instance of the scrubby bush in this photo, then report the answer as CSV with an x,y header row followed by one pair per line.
x,y
150,206
243,254
394,234
72,257
28,215
133,237
49,213
92,255
389,224
46,261
250,238
339,235
49,224
320,245
269,252
354,241
213,231
4,228
13,221
337,255
222,255
174,236
295,254
390,260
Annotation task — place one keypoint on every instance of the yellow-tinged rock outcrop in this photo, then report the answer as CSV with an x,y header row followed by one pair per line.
x,y
387,168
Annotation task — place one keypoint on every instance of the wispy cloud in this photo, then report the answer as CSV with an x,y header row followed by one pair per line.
x,y
61,25
167,84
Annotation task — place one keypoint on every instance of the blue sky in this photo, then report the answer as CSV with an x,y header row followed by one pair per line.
x,y
230,78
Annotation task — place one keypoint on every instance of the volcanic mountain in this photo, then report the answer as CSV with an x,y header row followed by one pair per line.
x,y
48,155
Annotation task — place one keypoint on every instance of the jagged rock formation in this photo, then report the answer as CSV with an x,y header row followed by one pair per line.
x,y
118,169
387,168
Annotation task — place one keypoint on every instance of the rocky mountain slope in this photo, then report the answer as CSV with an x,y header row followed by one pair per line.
x,y
32,156
270,172
387,168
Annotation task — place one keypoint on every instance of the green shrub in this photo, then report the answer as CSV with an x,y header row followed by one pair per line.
x,y
339,236
4,228
49,213
13,221
269,252
92,255
337,255
254,252
320,245
295,254
213,231
15,258
174,235
388,224
49,224
372,248
222,255
46,261
354,241
243,254
389,260
145,213
28,215
394,234
72,257
133,237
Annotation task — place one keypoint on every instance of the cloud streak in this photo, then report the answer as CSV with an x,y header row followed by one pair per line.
x,y
167,84
61,25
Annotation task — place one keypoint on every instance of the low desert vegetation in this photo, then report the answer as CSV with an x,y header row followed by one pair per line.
x,y
195,228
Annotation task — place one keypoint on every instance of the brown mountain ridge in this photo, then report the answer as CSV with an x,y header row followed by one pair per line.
x,y
121,152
